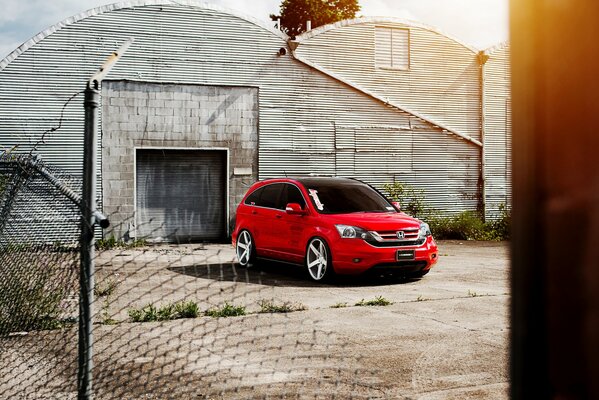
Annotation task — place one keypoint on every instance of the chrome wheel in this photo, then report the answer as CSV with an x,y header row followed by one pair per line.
x,y
244,248
317,259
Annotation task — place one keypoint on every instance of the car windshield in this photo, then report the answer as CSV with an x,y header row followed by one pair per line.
x,y
346,197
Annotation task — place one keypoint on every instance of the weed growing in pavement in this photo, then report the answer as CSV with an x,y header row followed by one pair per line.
x,y
226,310
422,298
33,294
113,243
187,309
339,305
145,314
106,289
472,293
268,306
377,301
167,312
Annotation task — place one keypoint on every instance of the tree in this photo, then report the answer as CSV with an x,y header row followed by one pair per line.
x,y
295,13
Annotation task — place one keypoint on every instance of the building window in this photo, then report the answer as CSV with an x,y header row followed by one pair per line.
x,y
392,48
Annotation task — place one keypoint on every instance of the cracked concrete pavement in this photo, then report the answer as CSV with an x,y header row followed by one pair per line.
x,y
444,337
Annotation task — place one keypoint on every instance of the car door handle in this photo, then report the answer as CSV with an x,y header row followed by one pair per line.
x,y
278,216
254,212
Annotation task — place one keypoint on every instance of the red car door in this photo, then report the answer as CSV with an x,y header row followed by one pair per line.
x,y
291,227
265,218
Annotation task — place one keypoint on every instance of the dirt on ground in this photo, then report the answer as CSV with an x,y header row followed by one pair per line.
x,y
444,336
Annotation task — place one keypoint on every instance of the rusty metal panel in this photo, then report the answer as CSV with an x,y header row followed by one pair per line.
x,y
497,128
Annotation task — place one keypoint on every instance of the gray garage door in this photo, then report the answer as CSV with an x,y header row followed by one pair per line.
x,y
181,194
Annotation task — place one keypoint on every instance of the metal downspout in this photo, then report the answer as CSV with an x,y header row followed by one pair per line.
x,y
482,60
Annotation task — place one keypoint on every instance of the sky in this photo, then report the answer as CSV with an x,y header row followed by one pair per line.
x,y
479,23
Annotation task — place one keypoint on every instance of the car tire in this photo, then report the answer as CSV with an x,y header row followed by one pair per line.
x,y
318,260
245,249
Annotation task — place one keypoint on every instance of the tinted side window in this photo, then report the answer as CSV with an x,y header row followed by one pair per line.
x,y
291,194
270,196
254,198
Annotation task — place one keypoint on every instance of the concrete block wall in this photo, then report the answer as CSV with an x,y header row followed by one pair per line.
x,y
155,115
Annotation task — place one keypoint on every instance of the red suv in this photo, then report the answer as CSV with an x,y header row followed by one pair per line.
x,y
330,225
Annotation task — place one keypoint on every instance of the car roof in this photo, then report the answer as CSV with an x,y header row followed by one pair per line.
x,y
309,181
320,180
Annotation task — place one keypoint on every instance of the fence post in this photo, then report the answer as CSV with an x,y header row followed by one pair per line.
x,y
86,277
89,217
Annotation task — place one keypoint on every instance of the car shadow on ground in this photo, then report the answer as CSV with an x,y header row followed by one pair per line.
x,y
271,273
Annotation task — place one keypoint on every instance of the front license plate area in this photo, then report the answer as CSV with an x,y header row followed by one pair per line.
x,y
404,255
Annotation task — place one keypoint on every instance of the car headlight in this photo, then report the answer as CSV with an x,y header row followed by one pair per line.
x,y
351,232
425,230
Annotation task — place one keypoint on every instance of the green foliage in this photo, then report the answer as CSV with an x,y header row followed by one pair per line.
x,y
112,243
187,309
149,313
3,184
467,225
105,290
412,200
167,312
32,294
377,301
226,310
267,306
500,228
464,226
295,13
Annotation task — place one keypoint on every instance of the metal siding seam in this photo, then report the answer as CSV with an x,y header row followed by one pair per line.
x,y
385,101
289,93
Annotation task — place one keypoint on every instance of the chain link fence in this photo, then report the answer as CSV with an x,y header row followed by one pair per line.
x,y
179,320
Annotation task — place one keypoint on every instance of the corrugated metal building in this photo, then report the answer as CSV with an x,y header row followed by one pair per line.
x,y
206,101
497,127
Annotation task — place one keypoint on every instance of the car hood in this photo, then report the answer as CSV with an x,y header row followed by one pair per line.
x,y
376,221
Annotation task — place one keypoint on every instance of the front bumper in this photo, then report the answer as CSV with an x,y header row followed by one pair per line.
x,y
355,256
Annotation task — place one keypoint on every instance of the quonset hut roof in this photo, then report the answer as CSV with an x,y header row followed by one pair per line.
x,y
132,4
383,20
380,20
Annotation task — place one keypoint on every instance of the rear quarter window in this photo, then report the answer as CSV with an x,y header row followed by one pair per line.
x,y
253,198
267,196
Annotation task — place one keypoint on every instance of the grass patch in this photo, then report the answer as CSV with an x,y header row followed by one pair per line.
x,y
339,305
167,312
187,309
268,306
226,310
36,289
377,301
112,243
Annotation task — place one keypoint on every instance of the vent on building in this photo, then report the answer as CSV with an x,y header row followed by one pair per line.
x,y
392,48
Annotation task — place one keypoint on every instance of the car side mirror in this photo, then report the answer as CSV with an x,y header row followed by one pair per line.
x,y
396,205
295,209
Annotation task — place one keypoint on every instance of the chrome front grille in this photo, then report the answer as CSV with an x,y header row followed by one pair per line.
x,y
393,238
